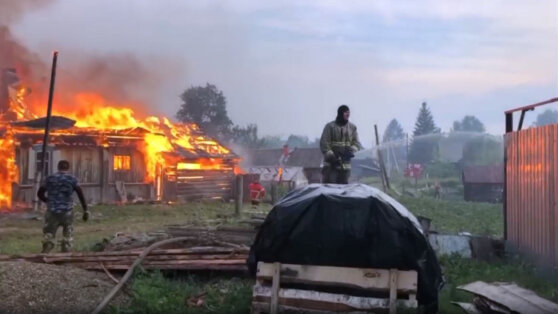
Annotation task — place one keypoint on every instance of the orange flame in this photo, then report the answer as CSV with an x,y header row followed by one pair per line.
x,y
8,169
280,174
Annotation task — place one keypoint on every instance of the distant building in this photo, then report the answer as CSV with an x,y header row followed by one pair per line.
x,y
307,160
483,183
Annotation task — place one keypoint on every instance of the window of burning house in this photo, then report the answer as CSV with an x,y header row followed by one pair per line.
x,y
121,162
39,159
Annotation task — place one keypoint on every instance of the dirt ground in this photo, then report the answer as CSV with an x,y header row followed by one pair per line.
x,y
40,288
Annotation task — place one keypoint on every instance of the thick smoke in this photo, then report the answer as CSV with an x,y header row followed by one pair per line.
x,y
120,79
13,10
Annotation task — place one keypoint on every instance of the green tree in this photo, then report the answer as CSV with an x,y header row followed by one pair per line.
x,y
246,136
547,117
424,146
482,151
393,132
207,107
272,141
468,124
299,141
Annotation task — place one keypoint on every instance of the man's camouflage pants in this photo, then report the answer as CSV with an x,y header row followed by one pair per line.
x,y
52,222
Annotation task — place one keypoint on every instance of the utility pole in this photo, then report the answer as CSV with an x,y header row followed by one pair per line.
x,y
383,174
42,171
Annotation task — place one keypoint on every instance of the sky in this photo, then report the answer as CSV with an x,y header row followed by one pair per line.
x,y
288,65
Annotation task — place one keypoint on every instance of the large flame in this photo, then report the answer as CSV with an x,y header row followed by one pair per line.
x,y
8,169
94,111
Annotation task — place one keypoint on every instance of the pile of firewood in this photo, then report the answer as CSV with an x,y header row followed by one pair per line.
x,y
193,258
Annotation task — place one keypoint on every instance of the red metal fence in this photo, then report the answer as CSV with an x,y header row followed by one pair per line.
x,y
531,212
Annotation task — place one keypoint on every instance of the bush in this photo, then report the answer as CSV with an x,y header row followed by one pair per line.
x,y
442,170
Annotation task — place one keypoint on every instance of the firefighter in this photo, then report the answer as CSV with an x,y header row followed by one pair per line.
x,y
60,204
257,192
339,143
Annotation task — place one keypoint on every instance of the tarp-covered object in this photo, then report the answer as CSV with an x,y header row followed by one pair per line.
x,y
349,226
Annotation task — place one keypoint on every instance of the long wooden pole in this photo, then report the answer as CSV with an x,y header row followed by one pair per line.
x,y
130,271
385,180
239,197
43,171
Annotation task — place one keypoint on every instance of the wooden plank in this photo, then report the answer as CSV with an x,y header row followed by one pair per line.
x,y
512,297
484,305
165,263
236,268
315,300
262,307
203,186
121,189
135,252
467,307
275,288
392,291
148,258
364,278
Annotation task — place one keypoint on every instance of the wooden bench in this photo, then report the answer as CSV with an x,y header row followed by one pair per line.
x,y
303,288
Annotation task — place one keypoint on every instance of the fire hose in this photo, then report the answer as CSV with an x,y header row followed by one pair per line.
x,y
130,271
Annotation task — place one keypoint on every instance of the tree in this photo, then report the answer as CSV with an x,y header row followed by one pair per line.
x,y
393,132
424,147
483,150
274,141
299,141
468,124
207,107
246,136
425,122
547,117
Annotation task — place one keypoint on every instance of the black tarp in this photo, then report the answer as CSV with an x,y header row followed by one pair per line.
x,y
348,226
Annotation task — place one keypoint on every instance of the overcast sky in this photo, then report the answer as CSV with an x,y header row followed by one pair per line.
x,y
287,65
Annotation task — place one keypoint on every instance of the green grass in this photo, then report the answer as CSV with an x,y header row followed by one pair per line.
x,y
459,271
458,216
153,293
450,214
25,236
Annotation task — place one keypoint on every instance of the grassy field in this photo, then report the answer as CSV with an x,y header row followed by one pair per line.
x,y
154,293
458,216
450,214
25,235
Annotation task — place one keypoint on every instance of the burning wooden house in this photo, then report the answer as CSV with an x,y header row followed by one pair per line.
x,y
115,157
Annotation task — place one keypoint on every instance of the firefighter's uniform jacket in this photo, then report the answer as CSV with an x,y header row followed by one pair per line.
x,y
335,142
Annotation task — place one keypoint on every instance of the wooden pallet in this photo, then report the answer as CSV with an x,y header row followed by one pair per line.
x,y
284,288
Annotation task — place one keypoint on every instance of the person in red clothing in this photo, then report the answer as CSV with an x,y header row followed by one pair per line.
x,y
257,192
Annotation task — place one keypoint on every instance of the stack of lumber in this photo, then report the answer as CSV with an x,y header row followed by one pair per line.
x,y
194,258
282,288
229,234
502,297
